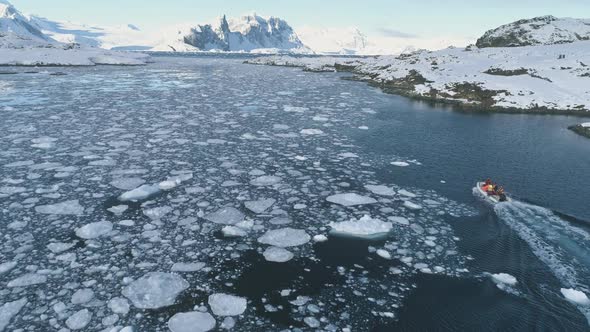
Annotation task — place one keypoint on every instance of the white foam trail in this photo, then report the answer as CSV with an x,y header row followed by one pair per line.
x,y
563,247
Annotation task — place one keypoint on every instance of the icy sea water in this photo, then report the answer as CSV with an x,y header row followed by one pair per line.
x,y
203,138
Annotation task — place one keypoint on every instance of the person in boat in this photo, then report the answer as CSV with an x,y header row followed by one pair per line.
x,y
502,195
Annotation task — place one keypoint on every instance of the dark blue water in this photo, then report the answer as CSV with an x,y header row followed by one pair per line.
x,y
216,118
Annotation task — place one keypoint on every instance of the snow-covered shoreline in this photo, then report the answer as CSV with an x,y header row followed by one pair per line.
x,y
61,56
532,79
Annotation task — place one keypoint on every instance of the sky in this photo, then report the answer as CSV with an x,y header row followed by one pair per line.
x,y
411,18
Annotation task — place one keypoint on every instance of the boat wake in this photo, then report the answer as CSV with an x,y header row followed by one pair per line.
x,y
560,245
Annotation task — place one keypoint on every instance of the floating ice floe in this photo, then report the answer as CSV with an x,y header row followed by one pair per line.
x,y
9,310
348,155
260,206
94,230
157,213
139,194
277,255
406,193
155,290
226,216
227,305
6,267
187,267
383,253
412,206
400,164
118,210
82,296
380,190
285,237
399,220
191,322
119,305
127,183
64,208
320,238
575,296
350,199
366,227
28,280
504,278
79,320
233,231
311,132
266,180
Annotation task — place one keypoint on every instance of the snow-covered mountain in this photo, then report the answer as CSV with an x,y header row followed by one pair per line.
x,y
107,37
352,41
23,43
13,23
544,30
249,33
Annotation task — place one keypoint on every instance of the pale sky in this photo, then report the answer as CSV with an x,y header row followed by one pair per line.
x,y
423,18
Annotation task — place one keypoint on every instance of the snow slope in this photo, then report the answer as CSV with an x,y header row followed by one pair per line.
x,y
545,78
13,22
544,30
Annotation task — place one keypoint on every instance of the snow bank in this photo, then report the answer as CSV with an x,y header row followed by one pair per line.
x,y
366,227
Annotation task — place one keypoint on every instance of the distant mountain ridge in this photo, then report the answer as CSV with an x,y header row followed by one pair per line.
x,y
12,22
244,34
543,30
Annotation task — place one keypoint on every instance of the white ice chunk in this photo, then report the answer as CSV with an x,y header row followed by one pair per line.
x,y
226,216
381,190
320,238
65,208
406,193
266,180
399,220
312,322
82,296
157,213
366,227
119,209
127,183
260,206
28,280
155,290
119,305
350,199
310,132
94,230
140,194
400,164
79,320
233,231
187,267
412,206
285,237
6,267
191,322
9,310
384,253
227,305
277,255
504,278
575,296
